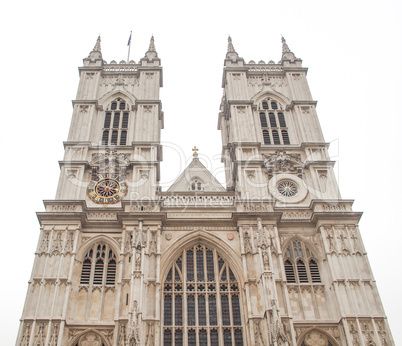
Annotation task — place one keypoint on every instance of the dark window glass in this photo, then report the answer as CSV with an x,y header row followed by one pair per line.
x,y
124,124
202,317
200,265
265,105
285,137
105,137
190,265
275,136
107,120
281,118
114,106
178,310
272,119
116,120
191,310
168,310
227,337
167,337
210,266
213,321
192,341
224,275
238,337
231,275
114,138
122,105
203,337
236,310
263,120
301,271
214,337
274,105
123,137
169,276
265,135
178,337
225,310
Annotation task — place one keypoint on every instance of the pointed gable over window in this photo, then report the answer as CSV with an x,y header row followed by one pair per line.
x,y
196,177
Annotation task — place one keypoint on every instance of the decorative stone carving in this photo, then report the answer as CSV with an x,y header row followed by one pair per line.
x,y
57,243
277,331
150,337
109,162
333,207
26,335
55,335
296,215
200,201
84,108
45,242
281,162
133,338
69,242
122,335
64,208
127,244
382,333
152,243
168,236
258,338
138,260
143,208
247,243
101,216
265,259
139,238
368,334
315,338
257,207
40,338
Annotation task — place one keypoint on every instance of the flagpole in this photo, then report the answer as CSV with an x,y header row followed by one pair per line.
x,y
129,46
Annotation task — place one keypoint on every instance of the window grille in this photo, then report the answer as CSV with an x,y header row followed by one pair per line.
x,y
118,120
97,270
198,285
273,111
298,256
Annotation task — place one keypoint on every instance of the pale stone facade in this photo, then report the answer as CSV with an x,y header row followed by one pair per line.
x,y
275,258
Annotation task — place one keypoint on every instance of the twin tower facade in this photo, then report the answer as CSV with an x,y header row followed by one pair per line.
x,y
274,258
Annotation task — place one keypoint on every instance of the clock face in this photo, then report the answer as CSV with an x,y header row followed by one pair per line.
x,y
107,188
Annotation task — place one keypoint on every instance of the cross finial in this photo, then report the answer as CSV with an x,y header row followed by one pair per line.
x,y
195,149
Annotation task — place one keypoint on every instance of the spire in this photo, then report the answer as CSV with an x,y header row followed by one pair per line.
x,y
230,45
287,54
231,54
97,47
95,55
152,45
151,54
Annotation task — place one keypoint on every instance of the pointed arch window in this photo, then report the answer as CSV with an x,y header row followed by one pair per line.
x,y
301,266
201,300
196,185
273,110
99,266
116,117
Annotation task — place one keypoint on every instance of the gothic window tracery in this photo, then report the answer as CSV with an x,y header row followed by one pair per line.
x,y
300,264
99,266
116,123
201,301
271,132
196,185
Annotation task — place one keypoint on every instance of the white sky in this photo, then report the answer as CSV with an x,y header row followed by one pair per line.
x,y
352,49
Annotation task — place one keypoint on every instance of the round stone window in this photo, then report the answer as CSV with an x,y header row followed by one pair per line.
x,y
288,188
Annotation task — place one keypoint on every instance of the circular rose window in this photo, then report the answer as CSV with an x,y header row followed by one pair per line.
x,y
287,188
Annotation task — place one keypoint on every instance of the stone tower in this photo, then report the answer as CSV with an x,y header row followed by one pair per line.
x,y
275,258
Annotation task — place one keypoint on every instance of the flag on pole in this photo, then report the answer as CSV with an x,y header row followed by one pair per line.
x,y
129,40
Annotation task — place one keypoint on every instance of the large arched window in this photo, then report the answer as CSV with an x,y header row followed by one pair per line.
x,y
116,116
300,264
201,301
273,110
99,266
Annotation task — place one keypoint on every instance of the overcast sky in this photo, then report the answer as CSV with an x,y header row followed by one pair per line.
x,y
354,55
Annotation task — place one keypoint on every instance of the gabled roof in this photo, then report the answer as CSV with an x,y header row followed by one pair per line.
x,y
196,171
